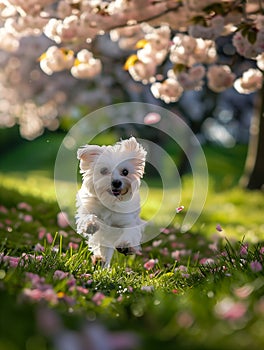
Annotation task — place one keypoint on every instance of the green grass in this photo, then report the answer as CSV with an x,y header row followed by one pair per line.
x,y
204,289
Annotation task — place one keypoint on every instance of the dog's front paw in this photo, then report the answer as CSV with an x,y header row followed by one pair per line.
x,y
91,226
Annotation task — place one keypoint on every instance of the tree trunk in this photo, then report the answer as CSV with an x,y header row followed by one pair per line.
x,y
253,177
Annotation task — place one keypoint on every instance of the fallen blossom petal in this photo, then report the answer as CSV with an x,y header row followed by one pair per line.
x,y
152,118
179,209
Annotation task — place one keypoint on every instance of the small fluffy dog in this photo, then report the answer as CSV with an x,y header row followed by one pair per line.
x,y
108,203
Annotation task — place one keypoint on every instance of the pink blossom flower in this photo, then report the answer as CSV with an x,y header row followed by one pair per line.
x,y
220,77
150,264
176,255
98,298
244,249
73,245
82,290
39,248
256,266
166,231
60,275
11,260
49,238
42,232
25,206
62,219
207,261
156,243
3,209
28,218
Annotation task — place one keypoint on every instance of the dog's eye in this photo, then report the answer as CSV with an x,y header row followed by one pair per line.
x,y
104,171
124,172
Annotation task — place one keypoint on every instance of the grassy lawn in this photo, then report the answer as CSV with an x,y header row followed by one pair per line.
x,y
203,289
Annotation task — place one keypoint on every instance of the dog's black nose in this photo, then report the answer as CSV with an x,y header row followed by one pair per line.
x,y
116,184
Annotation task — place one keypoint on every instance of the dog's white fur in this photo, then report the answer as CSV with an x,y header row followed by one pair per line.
x,y
108,203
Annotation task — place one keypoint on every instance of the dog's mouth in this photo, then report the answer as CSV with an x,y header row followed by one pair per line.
x,y
118,192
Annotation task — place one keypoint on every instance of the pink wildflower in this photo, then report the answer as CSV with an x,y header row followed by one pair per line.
x,y
60,275
42,232
73,245
256,266
49,238
261,250
156,243
39,248
98,298
24,206
219,228
165,230
244,249
11,260
82,290
28,218
150,264
3,209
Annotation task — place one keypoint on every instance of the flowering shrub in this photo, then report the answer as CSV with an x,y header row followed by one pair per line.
x,y
182,32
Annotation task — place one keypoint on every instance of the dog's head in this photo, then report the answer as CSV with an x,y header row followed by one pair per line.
x,y
112,173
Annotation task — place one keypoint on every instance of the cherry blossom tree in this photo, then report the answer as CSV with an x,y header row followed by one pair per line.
x,y
174,46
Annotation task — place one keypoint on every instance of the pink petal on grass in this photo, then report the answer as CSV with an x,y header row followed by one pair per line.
x,y
179,209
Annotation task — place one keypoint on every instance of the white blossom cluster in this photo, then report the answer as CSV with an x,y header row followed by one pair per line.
x,y
57,59
182,34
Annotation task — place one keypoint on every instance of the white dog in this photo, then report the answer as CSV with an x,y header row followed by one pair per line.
x,y
108,202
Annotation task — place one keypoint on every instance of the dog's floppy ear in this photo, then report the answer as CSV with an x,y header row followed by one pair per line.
x,y
138,154
87,155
